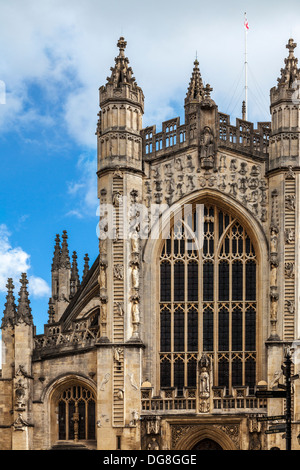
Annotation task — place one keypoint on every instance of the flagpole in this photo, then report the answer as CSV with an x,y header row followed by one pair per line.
x,y
246,73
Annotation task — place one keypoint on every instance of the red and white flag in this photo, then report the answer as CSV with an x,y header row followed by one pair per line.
x,y
246,24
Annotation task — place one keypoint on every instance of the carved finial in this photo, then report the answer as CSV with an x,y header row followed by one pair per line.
x,y
74,281
195,89
122,46
23,309
64,257
291,45
10,306
290,72
86,265
56,255
208,90
51,312
244,110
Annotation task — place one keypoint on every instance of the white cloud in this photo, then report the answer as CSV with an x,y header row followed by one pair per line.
x,y
38,287
83,191
13,262
67,48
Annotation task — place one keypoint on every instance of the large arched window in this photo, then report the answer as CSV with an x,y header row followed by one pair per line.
x,y
208,303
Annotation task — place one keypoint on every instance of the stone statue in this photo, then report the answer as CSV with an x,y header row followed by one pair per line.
x,y
135,276
135,311
204,377
102,277
273,278
274,240
135,240
103,313
207,149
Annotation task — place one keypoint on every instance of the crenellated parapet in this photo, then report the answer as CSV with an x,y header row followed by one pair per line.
x,y
174,137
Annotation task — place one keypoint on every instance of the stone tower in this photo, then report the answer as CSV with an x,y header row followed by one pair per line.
x,y
120,170
17,381
283,173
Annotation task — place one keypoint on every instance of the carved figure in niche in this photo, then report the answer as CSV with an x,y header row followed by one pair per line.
x,y
135,311
117,353
276,378
290,304
290,202
274,240
274,306
102,277
289,235
135,276
273,278
204,379
289,270
204,406
103,312
135,240
207,149
117,199
204,382
118,272
120,307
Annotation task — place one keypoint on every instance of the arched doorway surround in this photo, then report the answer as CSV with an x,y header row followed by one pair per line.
x,y
193,438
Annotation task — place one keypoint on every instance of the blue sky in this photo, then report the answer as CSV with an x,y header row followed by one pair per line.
x,y
54,55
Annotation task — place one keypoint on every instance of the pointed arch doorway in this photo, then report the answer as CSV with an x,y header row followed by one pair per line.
x,y
207,444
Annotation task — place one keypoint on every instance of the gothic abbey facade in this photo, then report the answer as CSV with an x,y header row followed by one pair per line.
x,y
193,299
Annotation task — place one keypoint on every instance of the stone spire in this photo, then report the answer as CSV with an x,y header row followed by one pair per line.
x,y
196,89
56,255
64,256
86,265
290,72
23,310
10,306
121,73
74,281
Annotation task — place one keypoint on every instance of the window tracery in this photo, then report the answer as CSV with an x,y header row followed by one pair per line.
x,y
208,303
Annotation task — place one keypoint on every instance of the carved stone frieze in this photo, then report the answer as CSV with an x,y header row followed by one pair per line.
x,y
239,179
